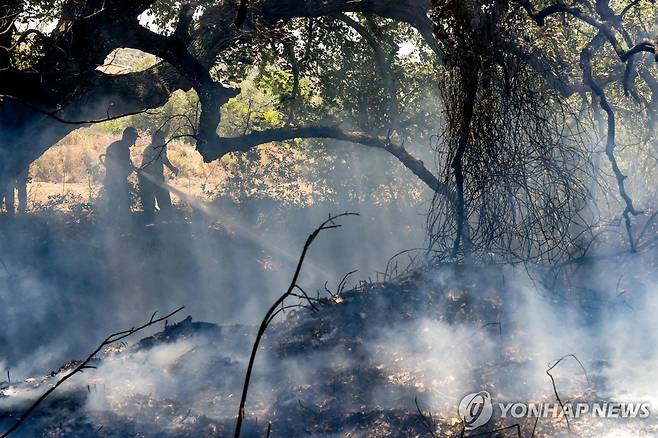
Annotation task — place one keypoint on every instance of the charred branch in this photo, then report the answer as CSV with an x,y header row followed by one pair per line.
x,y
555,391
84,365
101,97
277,306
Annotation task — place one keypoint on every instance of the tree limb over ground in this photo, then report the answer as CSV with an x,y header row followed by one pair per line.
x,y
223,145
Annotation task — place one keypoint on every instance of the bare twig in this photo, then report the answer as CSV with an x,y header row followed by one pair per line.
x,y
427,422
114,337
557,396
279,306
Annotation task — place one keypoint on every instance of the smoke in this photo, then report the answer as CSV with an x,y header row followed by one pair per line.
x,y
69,281
434,336
495,329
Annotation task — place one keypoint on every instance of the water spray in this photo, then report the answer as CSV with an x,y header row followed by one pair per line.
x,y
246,232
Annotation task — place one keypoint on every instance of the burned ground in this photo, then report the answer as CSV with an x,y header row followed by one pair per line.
x,y
355,368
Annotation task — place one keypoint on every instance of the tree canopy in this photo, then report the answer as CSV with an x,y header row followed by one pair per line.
x,y
511,95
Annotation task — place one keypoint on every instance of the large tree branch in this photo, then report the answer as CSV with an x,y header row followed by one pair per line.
x,y
243,143
605,26
29,129
408,11
586,65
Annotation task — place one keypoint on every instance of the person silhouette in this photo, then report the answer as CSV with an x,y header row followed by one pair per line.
x,y
118,167
151,178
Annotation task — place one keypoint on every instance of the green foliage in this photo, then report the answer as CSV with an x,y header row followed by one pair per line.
x,y
254,108
277,83
164,14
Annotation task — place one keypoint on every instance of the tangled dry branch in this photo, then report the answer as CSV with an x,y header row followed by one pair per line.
x,y
514,151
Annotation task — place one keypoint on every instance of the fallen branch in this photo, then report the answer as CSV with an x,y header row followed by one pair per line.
x,y
278,306
114,337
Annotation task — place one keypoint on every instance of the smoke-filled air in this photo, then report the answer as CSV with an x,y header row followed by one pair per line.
x,y
300,218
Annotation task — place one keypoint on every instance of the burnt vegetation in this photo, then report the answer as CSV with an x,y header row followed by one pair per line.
x,y
501,155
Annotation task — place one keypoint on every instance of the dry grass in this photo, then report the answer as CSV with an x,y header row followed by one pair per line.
x,y
72,168
71,171
75,159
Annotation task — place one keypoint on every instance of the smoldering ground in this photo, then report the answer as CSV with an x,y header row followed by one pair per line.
x,y
359,365
364,361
